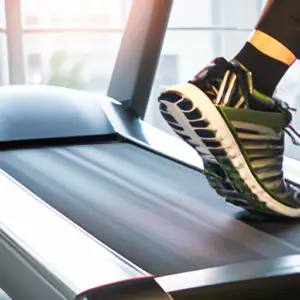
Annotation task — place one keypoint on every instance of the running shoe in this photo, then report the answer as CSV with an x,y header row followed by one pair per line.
x,y
239,133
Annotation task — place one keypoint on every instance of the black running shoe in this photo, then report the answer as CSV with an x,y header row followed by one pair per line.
x,y
239,133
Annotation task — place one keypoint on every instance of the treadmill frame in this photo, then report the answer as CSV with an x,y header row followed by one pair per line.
x,y
144,135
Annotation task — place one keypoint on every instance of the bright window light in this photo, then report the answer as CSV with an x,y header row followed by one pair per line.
x,y
73,13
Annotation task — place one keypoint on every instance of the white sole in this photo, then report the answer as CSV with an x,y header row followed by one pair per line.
x,y
217,124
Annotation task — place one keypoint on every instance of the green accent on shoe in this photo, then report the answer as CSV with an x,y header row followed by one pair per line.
x,y
210,173
259,95
278,121
222,111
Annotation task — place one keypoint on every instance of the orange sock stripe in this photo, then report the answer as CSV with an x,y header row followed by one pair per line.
x,y
271,47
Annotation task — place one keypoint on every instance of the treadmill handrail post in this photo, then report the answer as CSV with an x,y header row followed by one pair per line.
x,y
134,71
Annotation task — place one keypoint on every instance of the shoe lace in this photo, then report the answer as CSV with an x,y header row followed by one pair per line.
x,y
290,130
294,190
275,103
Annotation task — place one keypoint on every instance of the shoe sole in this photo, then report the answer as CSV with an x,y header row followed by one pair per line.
x,y
216,144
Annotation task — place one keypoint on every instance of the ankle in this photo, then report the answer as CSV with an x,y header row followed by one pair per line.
x,y
266,72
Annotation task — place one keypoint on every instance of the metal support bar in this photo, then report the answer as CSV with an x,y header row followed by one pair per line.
x,y
139,53
14,41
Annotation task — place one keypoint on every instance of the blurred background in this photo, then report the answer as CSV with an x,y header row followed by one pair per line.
x,y
74,43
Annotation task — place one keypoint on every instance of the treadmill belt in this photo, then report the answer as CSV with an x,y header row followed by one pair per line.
x,y
158,214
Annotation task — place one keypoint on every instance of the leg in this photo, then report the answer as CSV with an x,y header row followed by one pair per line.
x,y
273,47
265,10
227,114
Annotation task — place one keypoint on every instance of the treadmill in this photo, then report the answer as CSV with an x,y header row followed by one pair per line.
x,y
92,204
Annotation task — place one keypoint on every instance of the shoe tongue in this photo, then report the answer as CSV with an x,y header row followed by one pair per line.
x,y
219,63
222,64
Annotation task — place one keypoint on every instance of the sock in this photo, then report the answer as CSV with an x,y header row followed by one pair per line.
x,y
266,71
281,21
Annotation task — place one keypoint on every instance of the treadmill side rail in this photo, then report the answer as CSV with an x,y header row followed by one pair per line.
x,y
267,279
136,289
46,256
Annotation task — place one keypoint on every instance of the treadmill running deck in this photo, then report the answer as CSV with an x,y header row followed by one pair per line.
x,y
158,214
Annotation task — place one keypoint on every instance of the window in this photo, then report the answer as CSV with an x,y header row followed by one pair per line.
x,y
191,13
75,60
72,43
74,14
